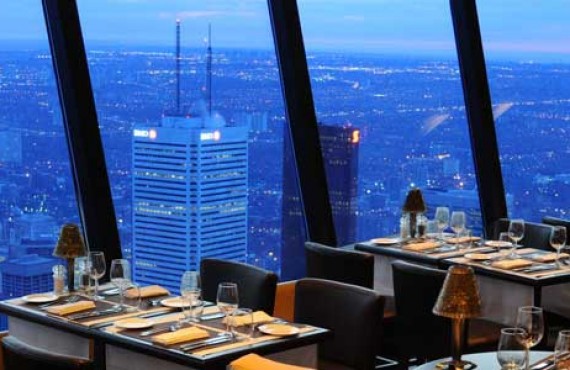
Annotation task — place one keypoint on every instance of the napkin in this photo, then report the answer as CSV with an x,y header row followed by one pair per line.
x,y
258,318
549,257
511,264
69,308
462,239
418,247
147,292
179,336
256,362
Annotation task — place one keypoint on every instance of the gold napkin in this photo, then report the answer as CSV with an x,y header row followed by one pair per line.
x,y
258,318
256,362
147,292
511,264
549,257
462,239
69,308
418,247
179,336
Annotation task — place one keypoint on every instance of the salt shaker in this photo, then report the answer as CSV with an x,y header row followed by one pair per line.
x,y
58,279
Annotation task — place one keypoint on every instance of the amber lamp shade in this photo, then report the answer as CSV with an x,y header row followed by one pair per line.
x,y
459,300
69,246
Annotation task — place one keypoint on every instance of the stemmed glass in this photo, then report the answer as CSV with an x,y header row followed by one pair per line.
x,y
516,233
511,353
442,218
120,274
457,222
531,320
227,301
562,350
97,268
190,290
558,241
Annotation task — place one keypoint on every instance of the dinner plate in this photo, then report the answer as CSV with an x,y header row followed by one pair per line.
x,y
479,256
386,241
134,323
281,330
498,244
176,302
40,298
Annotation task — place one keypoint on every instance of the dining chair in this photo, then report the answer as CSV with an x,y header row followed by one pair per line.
x,y
18,355
421,334
256,286
555,221
253,361
536,235
350,312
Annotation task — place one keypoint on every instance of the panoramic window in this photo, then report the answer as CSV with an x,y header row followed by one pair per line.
x,y
390,107
191,114
36,187
528,65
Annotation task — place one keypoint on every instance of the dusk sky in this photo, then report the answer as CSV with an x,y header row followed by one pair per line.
x,y
519,28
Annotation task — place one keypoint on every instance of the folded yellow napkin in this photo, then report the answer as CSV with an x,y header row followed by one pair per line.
x,y
462,239
256,362
179,336
549,257
511,264
258,318
417,247
146,292
69,308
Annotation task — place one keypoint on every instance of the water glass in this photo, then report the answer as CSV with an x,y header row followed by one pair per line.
x,y
442,218
511,353
120,274
432,228
134,297
457,222
190,290
504,237
242,323
227,301
97,268
558,241
562,351
516,234
531,320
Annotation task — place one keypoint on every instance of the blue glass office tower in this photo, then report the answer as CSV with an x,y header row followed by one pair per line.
x,y
189,196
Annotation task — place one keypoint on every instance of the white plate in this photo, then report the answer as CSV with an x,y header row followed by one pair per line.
x,y
386,241
176,302
498,244
479,256
134,323
40,298
281,330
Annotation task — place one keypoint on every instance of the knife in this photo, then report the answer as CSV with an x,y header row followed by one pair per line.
x,y
212,316
207,342
106,312
145,316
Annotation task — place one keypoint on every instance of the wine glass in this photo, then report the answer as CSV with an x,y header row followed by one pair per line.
x,y
511,353
97,268
558,241
191,292
516,233
442,218
562,350
531,320
227,301
120,274
457,222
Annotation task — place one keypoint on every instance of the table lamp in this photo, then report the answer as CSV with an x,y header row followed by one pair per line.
x,y
459,300
414,205
70,246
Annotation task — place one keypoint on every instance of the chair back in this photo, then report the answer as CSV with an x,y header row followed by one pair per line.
x,y
256,286
18,355
351,312
346,266
419,333
536,235
555,221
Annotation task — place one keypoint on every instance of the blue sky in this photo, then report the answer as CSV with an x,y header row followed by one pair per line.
x,y
523,27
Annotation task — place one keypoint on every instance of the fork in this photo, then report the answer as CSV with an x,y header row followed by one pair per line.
x,y
70,299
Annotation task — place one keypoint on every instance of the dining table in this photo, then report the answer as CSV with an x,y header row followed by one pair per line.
x,y
103,334
539,360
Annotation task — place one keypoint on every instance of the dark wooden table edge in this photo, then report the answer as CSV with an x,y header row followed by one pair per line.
x,y
398,253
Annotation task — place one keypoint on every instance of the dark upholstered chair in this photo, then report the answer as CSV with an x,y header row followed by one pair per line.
x,y
554,221
256,286
18,355
536,235
421,334
350,312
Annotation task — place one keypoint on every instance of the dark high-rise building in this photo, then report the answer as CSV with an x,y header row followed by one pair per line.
x,y
339,146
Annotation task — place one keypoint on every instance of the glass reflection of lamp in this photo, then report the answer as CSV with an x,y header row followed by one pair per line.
x,y
70,246
459,300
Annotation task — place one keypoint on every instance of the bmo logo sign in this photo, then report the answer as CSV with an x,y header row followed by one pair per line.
x,y
151,134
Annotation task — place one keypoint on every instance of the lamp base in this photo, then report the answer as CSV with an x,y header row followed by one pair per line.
x,y
454,365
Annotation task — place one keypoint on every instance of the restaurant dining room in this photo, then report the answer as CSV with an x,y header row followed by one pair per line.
x,y
284,185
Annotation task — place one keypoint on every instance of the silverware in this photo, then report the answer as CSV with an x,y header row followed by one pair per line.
x,y
144,316
536,268
219,339
69,299
212,316
86,315
172,328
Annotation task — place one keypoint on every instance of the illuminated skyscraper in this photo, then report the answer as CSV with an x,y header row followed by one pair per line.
x,y
339,146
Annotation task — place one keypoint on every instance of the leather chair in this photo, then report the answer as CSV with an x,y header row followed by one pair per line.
x,y
256,286
421,334
18,355
350,312
536,235
555,221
